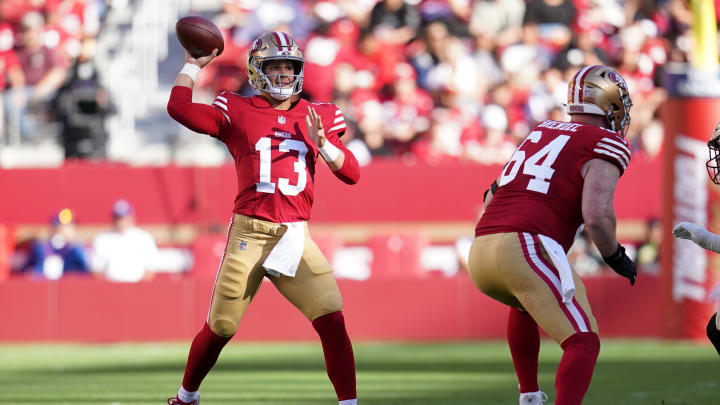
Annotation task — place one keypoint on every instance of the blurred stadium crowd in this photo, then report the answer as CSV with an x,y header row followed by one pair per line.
x,y
458,79
47,76
426,80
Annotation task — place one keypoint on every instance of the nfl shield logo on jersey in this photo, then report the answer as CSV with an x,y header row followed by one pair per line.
x,y
281,119
242,245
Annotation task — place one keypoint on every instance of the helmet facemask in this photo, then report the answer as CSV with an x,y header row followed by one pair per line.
x,y
713,164
611,115
265,81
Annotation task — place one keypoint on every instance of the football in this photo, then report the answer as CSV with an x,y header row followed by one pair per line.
x,y
199,36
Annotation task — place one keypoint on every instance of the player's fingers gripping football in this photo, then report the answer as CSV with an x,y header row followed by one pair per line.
x,y
202,61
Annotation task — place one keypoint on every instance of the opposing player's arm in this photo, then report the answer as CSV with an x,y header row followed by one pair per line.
x,y
197,117
341,161
696,233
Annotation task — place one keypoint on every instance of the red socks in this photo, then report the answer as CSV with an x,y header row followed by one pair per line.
x,y
524,341
576,367
204,352
339,359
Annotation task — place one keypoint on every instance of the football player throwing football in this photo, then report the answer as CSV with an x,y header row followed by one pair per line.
x,y
563,175
704,238
276,139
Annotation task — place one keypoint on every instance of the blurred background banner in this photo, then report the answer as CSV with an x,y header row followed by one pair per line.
x,y
690,115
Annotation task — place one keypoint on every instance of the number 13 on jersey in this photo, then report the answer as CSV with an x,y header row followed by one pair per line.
x,y
265,185
541,173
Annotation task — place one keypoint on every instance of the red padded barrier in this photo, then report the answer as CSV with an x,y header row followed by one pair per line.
x,y
167,308
397,255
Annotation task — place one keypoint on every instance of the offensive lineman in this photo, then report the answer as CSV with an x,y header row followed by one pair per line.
x,y
701,236
563,175
276,139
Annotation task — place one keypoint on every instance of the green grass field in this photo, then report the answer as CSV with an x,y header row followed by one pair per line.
x,y
628,372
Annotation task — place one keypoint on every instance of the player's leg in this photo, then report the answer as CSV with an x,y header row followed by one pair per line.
x,y
524,342
522,330
315,293
570,324
239,277
713,331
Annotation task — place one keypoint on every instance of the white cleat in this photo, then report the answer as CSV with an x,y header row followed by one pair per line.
x,y
533,398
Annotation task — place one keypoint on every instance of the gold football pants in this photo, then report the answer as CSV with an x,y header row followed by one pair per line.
x,y
313,290
514,268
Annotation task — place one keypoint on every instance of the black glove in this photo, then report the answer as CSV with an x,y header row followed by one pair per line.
x,y
621,263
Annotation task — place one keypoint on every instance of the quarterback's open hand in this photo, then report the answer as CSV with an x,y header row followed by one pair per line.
x,y
687,230
621,264
315,127
202,61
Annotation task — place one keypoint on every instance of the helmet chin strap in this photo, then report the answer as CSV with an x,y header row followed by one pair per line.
x,y
279,93
610,118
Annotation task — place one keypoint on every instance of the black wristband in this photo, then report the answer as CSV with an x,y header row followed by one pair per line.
x,y
618,254
493,188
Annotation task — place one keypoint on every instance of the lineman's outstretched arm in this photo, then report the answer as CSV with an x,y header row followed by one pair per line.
x,y
696,233
601,178
197,117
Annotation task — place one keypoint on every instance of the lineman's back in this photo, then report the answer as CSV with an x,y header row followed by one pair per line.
x,y
540,188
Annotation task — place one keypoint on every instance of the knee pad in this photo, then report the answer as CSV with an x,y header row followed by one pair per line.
x,y
223,326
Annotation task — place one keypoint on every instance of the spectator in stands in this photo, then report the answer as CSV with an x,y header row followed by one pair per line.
x,y
407,112
10,71
394,21
648,253
584,256
425,53
454,132
83,104
551,15
496,147
498,19
60,254
44,71
125,253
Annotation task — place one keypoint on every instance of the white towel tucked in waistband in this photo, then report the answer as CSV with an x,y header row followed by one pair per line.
x,y
285,256
560,260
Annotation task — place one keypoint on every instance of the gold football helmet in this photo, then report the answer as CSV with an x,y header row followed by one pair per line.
x,y
602,91
713,164
275,46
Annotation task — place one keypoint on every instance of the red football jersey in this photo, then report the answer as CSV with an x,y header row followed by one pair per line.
x,y
274,155
540,188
